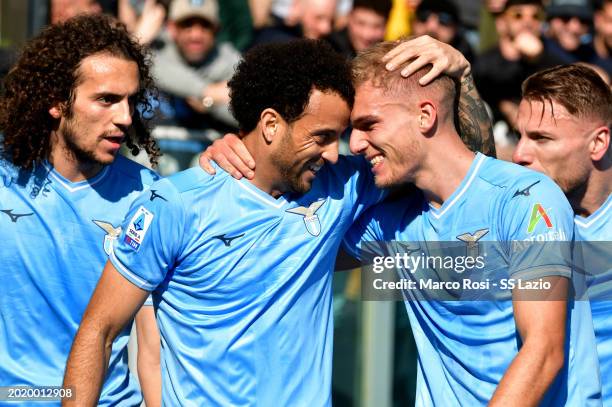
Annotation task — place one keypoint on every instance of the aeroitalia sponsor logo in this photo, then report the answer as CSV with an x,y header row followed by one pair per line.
x,y
537,214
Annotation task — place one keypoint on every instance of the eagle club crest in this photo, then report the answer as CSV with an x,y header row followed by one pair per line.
x,y
112,233
311,219
471,240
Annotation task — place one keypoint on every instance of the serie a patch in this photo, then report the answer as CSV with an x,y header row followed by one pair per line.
x,y
138,226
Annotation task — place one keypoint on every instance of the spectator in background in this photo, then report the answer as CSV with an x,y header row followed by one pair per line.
x,y
315,20
520,52
569,25
62,10
365,27
193,69
603,34
440,19
144,20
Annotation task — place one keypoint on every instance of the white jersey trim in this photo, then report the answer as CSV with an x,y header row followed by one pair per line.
x,y
128,274
77,186
591,220
277,204
480,159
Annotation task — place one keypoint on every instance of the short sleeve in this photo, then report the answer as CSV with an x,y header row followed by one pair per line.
x,y
365,229
362,188
538,224
151,236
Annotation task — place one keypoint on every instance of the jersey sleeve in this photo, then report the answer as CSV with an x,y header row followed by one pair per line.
x,y
151,236
537,224
365,229
360,188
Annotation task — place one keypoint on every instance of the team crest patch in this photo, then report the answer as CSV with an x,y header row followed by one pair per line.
x,y
138,227
311,219
112,233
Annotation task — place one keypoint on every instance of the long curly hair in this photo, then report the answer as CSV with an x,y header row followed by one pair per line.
x,y
47,74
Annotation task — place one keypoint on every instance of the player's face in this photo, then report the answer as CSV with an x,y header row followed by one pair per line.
x,y
385,132
101,113
555,145
311,141
365,28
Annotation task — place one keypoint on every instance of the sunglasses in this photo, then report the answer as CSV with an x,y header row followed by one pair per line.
x,y
567,19
518,15
445,19
191,21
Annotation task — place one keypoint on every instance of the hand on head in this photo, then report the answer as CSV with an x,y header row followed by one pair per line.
x,y
416,53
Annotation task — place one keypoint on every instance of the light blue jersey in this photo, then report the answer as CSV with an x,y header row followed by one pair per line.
x,y
242,283
54,236
595,236
465,347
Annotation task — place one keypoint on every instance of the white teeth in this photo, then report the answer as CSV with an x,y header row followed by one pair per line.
x,y
315,167
376,160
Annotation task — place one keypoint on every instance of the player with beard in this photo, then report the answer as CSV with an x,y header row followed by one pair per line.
x,y
240,270
564,120
77,93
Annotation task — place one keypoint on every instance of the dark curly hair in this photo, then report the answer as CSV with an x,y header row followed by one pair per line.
x,y
47,73
281,76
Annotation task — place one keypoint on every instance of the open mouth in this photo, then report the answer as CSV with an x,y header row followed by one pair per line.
x,y
374,161
115,139
315,167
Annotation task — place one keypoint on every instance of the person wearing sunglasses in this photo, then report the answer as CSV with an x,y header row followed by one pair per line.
x,y
440,19
569,30
520,52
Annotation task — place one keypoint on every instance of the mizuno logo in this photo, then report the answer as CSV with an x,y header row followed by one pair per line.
x,y
154,195
311,219
15,216
227,240
472,238
525,192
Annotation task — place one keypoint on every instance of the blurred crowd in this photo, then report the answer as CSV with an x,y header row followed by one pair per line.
x,y
197,43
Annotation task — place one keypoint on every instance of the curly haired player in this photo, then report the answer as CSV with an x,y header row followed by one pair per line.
x,y
77,93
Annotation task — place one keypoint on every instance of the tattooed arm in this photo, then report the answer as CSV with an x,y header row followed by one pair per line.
x,y
473,120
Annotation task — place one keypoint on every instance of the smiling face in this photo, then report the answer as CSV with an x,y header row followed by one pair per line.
x,y
385,131
555,144
310,142
92,131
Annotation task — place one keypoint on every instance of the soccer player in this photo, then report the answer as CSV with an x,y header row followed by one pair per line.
x,y
472,352
78,92
564,119
241,270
